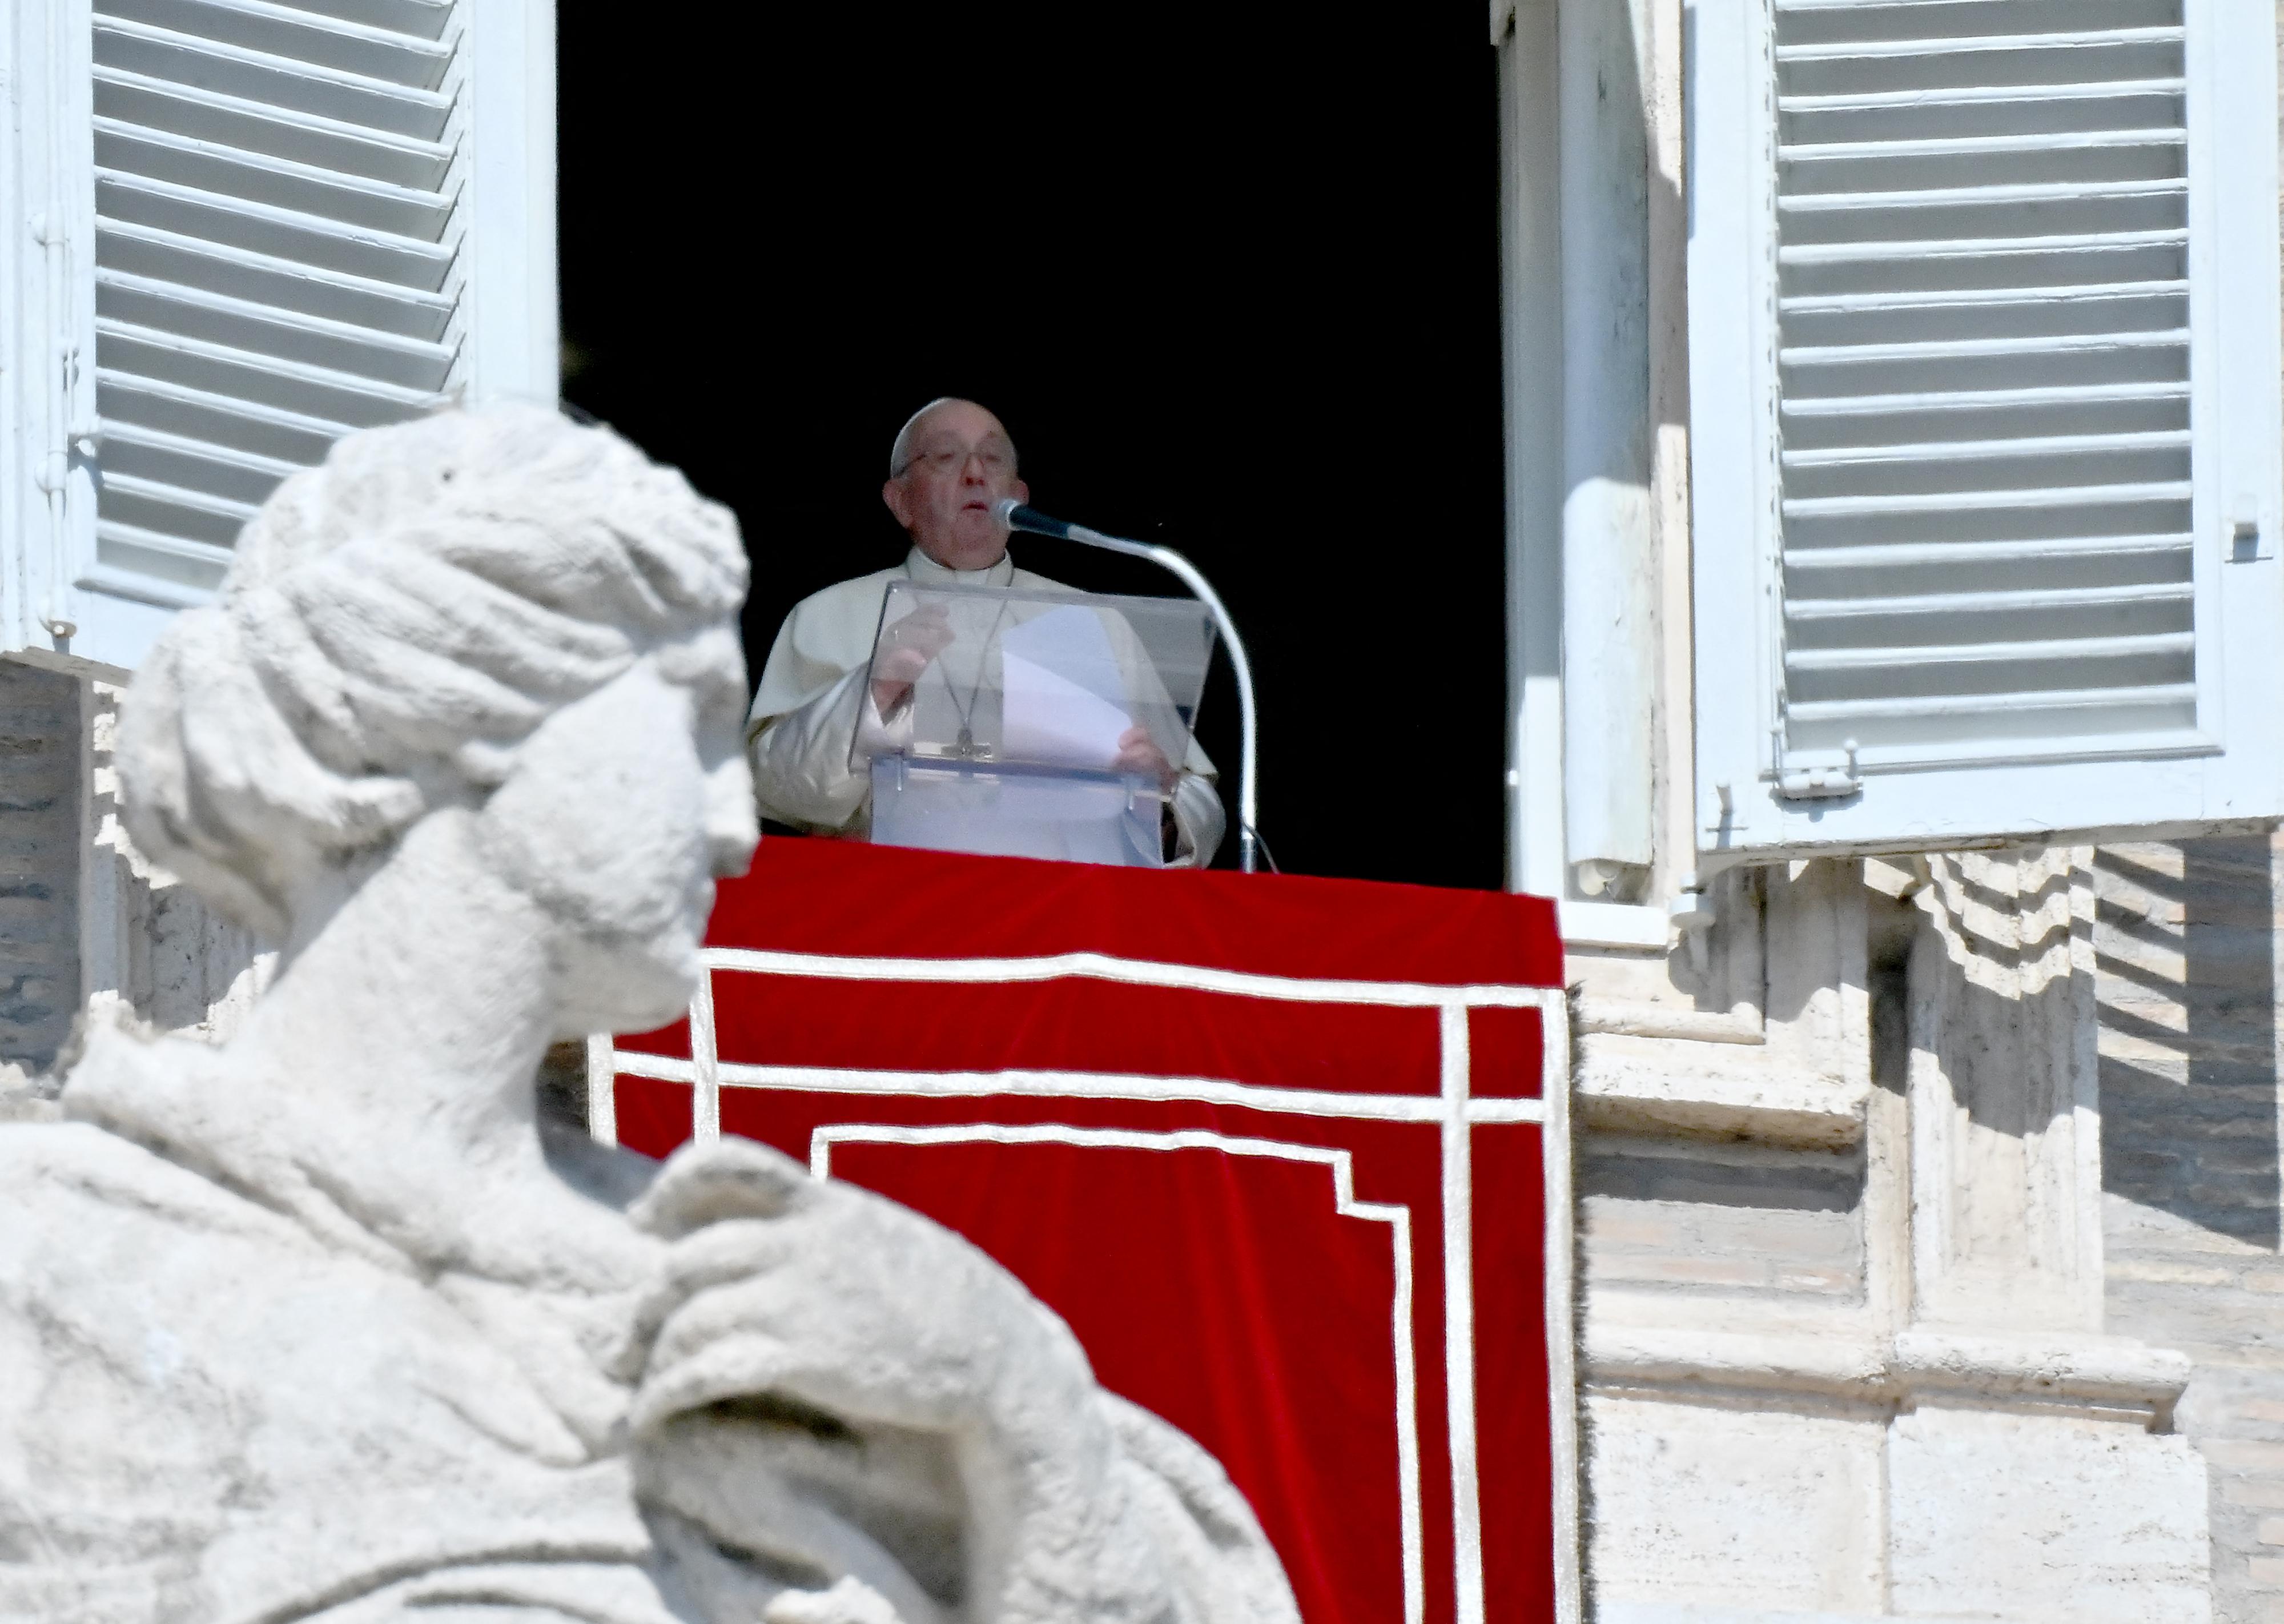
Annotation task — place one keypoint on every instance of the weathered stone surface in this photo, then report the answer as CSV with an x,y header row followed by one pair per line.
x,y
39,863
2031,1516
1769,1505
2187,942
1890,1381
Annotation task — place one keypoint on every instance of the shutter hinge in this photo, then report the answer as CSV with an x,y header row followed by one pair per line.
x,y
55,466
1822,782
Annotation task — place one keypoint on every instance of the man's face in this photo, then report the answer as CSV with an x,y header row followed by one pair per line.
x,y
962,465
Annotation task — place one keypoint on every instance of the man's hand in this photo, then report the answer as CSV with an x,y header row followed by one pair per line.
x,y
1139,753
907,649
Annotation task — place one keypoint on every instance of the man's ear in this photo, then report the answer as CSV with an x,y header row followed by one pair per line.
x,y
899,501
1020,492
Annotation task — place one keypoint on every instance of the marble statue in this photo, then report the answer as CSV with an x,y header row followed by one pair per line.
x,y
326,1323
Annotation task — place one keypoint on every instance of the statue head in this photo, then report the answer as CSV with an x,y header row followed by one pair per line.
x,y
498,614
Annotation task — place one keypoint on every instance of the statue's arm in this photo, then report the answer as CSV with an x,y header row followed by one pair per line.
x,y
1207,1534
571,1592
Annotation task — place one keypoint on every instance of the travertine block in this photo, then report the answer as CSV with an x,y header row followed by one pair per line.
x,y
2045,1517
1731,1504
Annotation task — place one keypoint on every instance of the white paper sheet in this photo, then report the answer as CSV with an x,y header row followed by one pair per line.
x,y
1063,696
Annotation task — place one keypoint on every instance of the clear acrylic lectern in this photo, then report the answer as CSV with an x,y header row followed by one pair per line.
x,y
1039,723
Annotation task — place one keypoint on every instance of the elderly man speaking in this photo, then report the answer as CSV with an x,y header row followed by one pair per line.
x,y
951,464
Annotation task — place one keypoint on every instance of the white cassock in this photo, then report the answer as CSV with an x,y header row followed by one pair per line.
x,y
814,703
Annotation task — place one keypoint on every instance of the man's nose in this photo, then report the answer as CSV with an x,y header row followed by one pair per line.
x,y
973,471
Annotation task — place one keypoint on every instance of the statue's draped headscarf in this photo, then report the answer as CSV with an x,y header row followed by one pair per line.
x,y
393,622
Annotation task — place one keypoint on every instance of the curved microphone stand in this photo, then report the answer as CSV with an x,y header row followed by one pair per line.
x,y
1015,516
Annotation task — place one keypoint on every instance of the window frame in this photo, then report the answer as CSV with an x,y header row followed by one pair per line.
x,y
59,605
2234,773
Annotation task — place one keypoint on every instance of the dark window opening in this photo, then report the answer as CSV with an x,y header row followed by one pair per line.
x,y
1229,274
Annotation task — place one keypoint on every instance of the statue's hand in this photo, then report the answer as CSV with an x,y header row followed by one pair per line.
x,y
819,1291
819,1295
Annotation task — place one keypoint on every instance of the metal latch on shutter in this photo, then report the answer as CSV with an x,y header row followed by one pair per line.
x,y
2247,542
1822,782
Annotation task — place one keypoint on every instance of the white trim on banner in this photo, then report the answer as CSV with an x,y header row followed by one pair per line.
x,y
1133,972
1458,1164
1023,1082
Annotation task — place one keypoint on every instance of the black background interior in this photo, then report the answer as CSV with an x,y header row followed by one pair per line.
x,y
1229,273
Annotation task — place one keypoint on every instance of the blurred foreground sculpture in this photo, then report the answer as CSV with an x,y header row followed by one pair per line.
x,y
326,1325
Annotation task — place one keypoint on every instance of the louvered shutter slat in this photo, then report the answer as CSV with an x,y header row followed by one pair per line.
x,y
173,55
426,20
300,188
2017,603
262,229
276,236
244,125
294,386
283,284
251,326
2116,708
149,566
173,510
195,414
295,35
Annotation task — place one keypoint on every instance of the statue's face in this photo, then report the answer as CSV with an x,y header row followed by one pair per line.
x,y
622,810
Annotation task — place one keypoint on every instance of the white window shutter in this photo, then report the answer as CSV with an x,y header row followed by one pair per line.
x,y
303,219
1985,419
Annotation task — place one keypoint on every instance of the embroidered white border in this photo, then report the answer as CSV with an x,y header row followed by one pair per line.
x,y
1064,1085
1454,1108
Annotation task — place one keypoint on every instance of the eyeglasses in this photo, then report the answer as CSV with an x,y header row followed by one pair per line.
x,y
997,457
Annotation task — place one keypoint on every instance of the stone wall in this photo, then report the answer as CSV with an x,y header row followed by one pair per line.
x,y
85,922
39,863
152,946
1752,1303
1852,1349
2187,942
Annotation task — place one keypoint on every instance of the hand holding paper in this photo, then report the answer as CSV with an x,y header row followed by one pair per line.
x,y
1064,698
1052,720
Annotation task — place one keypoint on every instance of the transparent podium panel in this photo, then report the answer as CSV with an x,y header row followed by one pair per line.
x,y
1029,724
1017,812
1062,680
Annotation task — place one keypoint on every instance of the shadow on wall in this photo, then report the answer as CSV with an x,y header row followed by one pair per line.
x,y
2185,941
39,850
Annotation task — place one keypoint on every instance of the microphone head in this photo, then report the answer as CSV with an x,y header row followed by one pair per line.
x,y
1015,516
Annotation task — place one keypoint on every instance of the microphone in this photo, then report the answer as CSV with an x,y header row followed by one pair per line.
x,y
1015,516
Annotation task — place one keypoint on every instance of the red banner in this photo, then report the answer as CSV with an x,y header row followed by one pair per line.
x,y
1276,1148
